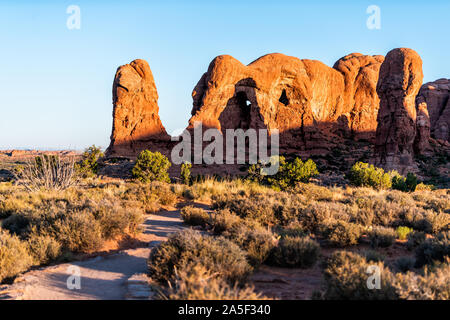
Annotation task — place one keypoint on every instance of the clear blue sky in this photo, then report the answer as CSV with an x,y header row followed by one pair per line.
x,y
55,83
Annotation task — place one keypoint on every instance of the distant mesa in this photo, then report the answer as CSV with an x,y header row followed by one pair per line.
x,y
315,107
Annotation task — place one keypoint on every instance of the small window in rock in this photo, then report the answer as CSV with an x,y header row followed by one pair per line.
x,y
284,99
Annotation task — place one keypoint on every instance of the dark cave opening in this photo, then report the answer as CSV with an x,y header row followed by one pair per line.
x,y
245,109
283,98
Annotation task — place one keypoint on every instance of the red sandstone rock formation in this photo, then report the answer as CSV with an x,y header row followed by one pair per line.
x,y
435,96
136,122
300,98
361,102
398,84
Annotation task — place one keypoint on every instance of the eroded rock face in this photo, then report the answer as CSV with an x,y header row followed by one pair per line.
x,y
136,122
361,102
300,98
435,96
399,82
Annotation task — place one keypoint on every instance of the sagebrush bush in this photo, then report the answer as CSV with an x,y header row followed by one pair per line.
x,y
364,175
43,248
151,166
195,216
295,252
255,240
88,165
344,234
433,285
223,220
381,237
216,254
195,282
14,256
372,255
404,264
434,249
415,239
346,276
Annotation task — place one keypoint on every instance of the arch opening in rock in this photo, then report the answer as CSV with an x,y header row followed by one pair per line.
x,y
283,98
245,107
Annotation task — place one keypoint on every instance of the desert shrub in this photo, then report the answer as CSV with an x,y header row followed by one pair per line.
x,y
47,172
295,252
216,254
223,220
151,166
436,222
404,264
346,277
434,249
381,237
431,286
14,256
255,240
290,173
344,234
258,207
195,282
43,248
292,230
195,216
77,231
403,232
88,165
424,187
115,220
364,175
186,172
374,256
401,183
415,239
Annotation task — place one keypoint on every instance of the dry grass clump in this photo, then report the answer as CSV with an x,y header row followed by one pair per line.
x,y
216,254
195,282
295,252
195,216
14,256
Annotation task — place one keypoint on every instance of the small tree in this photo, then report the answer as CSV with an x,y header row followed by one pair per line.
x,y
88,166
151,166
186,172
404,184
290,173
366,175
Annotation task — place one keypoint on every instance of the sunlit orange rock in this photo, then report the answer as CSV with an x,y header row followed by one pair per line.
x,y
399,82
136,122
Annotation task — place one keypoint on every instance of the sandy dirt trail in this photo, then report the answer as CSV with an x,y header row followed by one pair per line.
x,y
113,276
